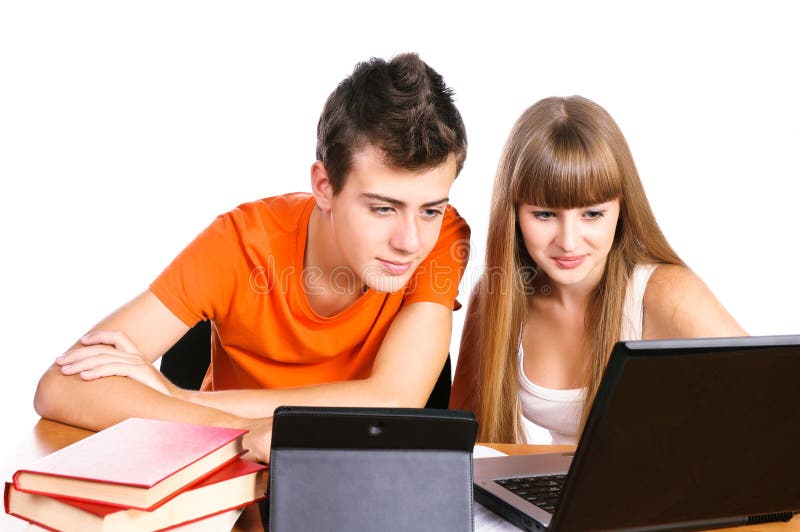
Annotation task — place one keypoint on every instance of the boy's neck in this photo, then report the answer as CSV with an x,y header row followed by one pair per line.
x,y
330,286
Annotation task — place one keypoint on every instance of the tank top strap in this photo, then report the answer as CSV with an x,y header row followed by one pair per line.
x,y
633,308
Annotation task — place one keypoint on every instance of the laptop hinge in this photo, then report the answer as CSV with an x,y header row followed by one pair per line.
x,y
768,518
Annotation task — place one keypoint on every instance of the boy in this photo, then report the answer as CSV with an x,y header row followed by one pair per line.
x,y
339,297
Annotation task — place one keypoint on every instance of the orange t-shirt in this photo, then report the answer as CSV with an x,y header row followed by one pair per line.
x,y
244,274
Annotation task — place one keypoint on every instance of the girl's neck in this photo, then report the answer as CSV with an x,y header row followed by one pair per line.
x,y
566,296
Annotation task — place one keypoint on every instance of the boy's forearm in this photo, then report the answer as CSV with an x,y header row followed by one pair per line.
x,y
400,377
100,403
262,403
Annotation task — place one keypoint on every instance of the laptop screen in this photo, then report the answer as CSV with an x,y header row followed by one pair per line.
x,y
688,430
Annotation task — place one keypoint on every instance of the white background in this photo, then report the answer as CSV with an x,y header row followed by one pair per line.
x,y
126,127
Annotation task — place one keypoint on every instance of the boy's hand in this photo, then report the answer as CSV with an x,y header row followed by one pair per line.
x,y
107,353
258,440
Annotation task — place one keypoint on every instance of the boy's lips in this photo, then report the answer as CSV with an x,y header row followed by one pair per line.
x,y
395,268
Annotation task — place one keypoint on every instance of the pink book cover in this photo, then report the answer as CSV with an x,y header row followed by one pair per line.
x,y
135,452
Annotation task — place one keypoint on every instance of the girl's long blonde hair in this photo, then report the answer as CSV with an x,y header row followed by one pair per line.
x,y
561,153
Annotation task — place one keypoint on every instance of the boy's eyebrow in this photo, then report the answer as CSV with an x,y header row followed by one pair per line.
x,y
397,202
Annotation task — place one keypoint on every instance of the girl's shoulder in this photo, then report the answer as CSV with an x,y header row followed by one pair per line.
x,y
678,304
666,279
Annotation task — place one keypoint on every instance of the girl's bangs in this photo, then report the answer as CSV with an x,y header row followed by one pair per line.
x,y
568,180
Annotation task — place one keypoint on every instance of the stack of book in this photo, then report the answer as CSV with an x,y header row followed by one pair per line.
x,y
140,474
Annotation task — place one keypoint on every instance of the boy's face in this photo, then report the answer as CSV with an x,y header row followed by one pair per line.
x,y
386,220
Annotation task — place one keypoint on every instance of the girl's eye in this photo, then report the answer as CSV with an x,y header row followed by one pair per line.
x,y
544,215
594,215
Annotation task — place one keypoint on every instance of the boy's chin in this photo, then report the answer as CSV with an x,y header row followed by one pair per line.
x,y
384,283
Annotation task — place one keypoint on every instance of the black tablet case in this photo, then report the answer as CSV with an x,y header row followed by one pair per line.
x,y
354,469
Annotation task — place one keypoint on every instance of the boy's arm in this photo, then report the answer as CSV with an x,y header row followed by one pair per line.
x,y
405,370
410,360
99,403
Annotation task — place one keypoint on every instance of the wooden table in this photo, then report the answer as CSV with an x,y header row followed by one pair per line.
x,y
48,436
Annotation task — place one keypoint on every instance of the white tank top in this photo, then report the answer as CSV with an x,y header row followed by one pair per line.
x,y
552,416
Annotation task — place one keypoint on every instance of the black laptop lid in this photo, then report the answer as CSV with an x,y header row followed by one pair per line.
x,y
364,469
698,431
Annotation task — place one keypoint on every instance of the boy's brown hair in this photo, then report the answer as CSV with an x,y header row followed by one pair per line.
x,y
401,107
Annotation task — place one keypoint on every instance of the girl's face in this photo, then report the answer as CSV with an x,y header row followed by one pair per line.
x,y
570,246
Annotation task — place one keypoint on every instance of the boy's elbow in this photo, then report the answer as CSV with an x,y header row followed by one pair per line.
x,y
406,401
395,399
387,395
410,399
45,400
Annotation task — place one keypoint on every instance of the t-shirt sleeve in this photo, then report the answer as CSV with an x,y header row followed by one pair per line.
x,y
437,278
197,285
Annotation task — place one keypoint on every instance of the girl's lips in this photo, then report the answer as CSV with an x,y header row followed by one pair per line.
x,y
395,268
569,262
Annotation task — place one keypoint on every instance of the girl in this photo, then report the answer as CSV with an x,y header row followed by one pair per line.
x,y
575,262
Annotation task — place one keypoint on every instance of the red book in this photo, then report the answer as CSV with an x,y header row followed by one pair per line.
x,y
234,486
138,463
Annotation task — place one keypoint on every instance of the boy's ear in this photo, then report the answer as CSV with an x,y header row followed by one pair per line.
x,y
321,187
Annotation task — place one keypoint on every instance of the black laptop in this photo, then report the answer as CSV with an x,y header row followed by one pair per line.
x,y
683,434
339,469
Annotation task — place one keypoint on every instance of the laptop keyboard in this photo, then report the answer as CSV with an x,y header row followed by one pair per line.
x,y
543,491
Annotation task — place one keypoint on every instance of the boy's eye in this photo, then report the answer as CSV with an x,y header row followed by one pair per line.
x,y
432,213
379,209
